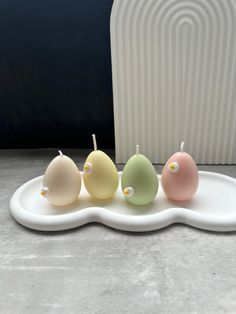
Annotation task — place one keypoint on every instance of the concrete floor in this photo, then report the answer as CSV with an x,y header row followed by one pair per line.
x,y
94,269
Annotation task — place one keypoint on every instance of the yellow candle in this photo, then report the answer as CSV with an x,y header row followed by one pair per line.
x,y
100,174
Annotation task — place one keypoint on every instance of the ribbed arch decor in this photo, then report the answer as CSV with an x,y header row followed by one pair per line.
x,y
174,78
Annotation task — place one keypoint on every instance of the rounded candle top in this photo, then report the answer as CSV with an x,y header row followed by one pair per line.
x,y
61,181
139,181
180,176
100,174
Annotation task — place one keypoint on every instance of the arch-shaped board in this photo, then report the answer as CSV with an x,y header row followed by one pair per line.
x,y
174,78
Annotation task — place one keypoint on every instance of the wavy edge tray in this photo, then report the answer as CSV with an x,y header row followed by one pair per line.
x,y
125,222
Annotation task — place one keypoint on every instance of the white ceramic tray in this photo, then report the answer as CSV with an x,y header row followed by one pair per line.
x,y
212,208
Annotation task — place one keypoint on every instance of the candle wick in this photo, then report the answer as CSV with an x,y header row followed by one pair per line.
x,y
94,141
60,152
182,147
137,149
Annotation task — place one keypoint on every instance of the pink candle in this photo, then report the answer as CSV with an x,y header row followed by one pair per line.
x,y
179,178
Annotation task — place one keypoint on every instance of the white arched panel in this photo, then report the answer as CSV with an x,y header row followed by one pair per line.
x,y
174,78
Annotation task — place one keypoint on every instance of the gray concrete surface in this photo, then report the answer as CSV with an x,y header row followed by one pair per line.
x,y
94,269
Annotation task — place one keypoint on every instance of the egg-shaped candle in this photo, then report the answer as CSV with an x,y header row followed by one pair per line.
x,y
139,180
100,174
61,181
179,177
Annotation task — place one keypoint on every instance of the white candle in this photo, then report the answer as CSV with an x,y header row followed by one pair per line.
x,y
61,181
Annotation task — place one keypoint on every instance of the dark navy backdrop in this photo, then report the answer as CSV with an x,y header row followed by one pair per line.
x,y
55,73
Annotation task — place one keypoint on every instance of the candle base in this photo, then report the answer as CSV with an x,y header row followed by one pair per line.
x,y
211,208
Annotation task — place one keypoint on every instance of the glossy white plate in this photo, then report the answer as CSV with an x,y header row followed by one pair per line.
x,y
212,208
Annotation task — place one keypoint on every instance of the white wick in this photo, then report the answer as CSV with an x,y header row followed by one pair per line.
x,y
182,147
137,149
60,152
94,141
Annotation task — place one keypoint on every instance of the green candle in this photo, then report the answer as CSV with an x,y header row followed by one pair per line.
x,y
139,180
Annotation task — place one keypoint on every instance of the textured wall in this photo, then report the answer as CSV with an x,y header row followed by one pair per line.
x,y
55,73
174,78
